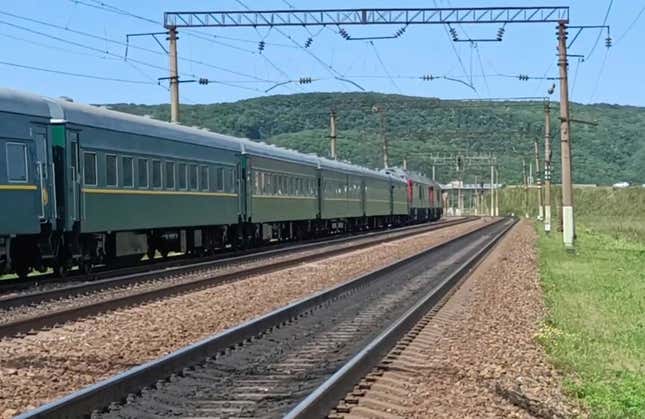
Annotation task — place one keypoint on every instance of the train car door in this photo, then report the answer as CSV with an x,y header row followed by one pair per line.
x,y
73,174
244,191
42,163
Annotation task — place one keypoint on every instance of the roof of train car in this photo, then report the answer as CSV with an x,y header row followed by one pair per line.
x,y
414,176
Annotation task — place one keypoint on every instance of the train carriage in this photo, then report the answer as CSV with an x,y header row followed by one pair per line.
x,y
341,187
282,191
26,205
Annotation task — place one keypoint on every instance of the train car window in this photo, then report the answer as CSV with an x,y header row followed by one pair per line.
x,y
89,168
219,179
203,178
267,184
16,162
256,183
192,177
156,174
128,171
142,166
231,180
181,175
111,172
170,175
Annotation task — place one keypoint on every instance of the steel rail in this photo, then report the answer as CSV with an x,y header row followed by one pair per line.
x,y
53,318
98,396
321,401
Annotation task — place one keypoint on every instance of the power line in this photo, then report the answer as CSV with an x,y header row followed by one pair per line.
x,y
195,34
481,68
631,25
101,5
52,47
120,43
327,66
68,73
385,70
602,69
604,23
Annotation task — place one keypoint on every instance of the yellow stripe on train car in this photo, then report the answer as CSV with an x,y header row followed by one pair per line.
x,y
146,192
18,187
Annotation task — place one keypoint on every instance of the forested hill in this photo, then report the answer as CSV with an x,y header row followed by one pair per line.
x,y
612,151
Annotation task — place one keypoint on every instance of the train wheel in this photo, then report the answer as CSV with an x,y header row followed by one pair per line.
x,y
85,267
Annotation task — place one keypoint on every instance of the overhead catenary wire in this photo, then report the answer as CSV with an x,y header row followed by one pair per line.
x,y
384,67
209,38
111,54
631,25
327,66
120,43
604,23
69,73
101,5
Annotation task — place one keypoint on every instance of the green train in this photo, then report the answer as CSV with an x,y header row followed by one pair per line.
x,y
84,186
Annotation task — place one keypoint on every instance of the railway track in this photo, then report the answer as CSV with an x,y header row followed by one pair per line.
x,y
296,361
30,311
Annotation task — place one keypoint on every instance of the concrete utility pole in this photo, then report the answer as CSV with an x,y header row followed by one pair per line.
x,y
433,173
332,125
538,181
380,111
496,192
547,167
405,164
174,76
492,191
526,190
568,228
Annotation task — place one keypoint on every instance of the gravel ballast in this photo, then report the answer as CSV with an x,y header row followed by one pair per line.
x,y
48,364
478,355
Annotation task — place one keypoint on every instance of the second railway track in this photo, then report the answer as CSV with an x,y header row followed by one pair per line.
x,y
298,360
122,291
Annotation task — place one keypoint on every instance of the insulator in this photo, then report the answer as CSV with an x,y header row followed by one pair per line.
x,y
304,80
308,42
427,77
261,46
453,33
608,41
500,33
203,81
343,33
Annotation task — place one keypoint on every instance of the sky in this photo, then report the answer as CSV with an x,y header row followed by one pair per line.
x,y
88,37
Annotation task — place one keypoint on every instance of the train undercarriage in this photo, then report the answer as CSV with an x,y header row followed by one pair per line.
x,y
60,253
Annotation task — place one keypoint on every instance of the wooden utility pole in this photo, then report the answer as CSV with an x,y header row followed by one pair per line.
x,y
568,228
547,167
538,181
174,76
332,125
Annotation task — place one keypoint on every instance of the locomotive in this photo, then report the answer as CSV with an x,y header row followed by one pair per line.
x,y
83,186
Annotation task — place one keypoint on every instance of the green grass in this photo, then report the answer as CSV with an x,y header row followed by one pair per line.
x,y
595,330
